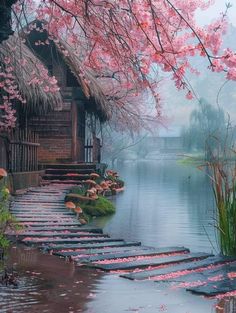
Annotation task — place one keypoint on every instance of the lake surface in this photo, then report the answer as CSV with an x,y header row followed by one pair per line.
x,y
164,204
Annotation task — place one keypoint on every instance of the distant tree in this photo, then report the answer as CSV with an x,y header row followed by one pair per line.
x,y
208,129
116,145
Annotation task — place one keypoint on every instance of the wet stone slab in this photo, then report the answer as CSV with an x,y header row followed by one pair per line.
x,y
37,205
179,269
42,202
35,210
220,272
34,197
42,215
33,224
120,243
69,241
215,288
60,234
149,263
45,219
145,252
65,228
38,209
101,250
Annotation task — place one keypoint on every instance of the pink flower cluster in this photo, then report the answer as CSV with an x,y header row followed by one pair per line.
x,y
127,43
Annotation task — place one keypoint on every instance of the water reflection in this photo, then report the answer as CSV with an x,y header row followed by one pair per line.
x,y
227,305
46,284
164,204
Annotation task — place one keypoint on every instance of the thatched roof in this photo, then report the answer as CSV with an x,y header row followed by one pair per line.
x,y
38,100
89,83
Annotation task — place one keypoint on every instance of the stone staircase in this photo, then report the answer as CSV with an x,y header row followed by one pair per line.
x,y
72,174
47,224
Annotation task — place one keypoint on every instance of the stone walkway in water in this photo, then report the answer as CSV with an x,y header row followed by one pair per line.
x,y
51,227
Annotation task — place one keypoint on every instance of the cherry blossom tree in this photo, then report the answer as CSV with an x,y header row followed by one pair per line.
x,y
129,43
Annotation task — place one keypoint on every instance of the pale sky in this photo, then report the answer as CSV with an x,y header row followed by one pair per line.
x,y
216,9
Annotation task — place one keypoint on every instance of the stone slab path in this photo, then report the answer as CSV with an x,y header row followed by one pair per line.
x,y
49,226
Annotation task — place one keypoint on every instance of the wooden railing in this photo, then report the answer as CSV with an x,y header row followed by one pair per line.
x,y
23,148
93,150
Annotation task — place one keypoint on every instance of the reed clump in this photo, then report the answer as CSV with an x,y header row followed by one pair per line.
x,y
223,178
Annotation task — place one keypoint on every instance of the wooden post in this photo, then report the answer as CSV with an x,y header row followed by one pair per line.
x,y
74,131
96,150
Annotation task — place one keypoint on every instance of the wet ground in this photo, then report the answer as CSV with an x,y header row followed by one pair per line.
x,y
165,204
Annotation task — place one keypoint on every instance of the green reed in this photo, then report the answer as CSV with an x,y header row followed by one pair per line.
x,y
223,179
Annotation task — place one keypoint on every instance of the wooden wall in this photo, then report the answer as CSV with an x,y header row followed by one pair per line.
x,y
3,154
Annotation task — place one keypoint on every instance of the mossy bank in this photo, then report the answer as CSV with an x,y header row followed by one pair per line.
x,y
92,208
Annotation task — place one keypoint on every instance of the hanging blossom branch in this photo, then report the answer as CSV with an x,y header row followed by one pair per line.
x,y
129,37
152,31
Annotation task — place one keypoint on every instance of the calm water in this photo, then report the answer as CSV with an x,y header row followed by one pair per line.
x,y
164,204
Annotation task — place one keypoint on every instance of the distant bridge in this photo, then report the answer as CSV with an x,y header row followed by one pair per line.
x,y
164,144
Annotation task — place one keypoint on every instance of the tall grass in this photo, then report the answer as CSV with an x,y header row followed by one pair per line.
x,y
223,178
221,168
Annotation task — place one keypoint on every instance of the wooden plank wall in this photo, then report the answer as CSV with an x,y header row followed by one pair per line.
x,y
3,154
23,151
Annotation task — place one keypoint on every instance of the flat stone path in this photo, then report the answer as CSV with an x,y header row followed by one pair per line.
x,y
51,227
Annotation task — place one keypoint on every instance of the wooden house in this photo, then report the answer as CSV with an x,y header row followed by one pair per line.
x,y
51,127
63,135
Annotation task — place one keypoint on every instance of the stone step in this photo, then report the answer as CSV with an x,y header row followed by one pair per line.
x,y
215,288
142,264
55,177
205,275
69,182
69,240
32,204
62,171
42,202
65,228
120,243
42,213
177,270
101,251
134,254
50,224
60,235
45,219
69,166
29,197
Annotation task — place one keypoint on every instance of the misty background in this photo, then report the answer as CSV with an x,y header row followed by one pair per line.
x,y
213,88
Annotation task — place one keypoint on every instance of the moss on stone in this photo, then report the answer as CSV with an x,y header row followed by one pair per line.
x,y
99,207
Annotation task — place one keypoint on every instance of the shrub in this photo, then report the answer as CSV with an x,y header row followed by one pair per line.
x,y
6,219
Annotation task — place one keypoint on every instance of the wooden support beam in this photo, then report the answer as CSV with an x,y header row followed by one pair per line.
x,y
74,131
